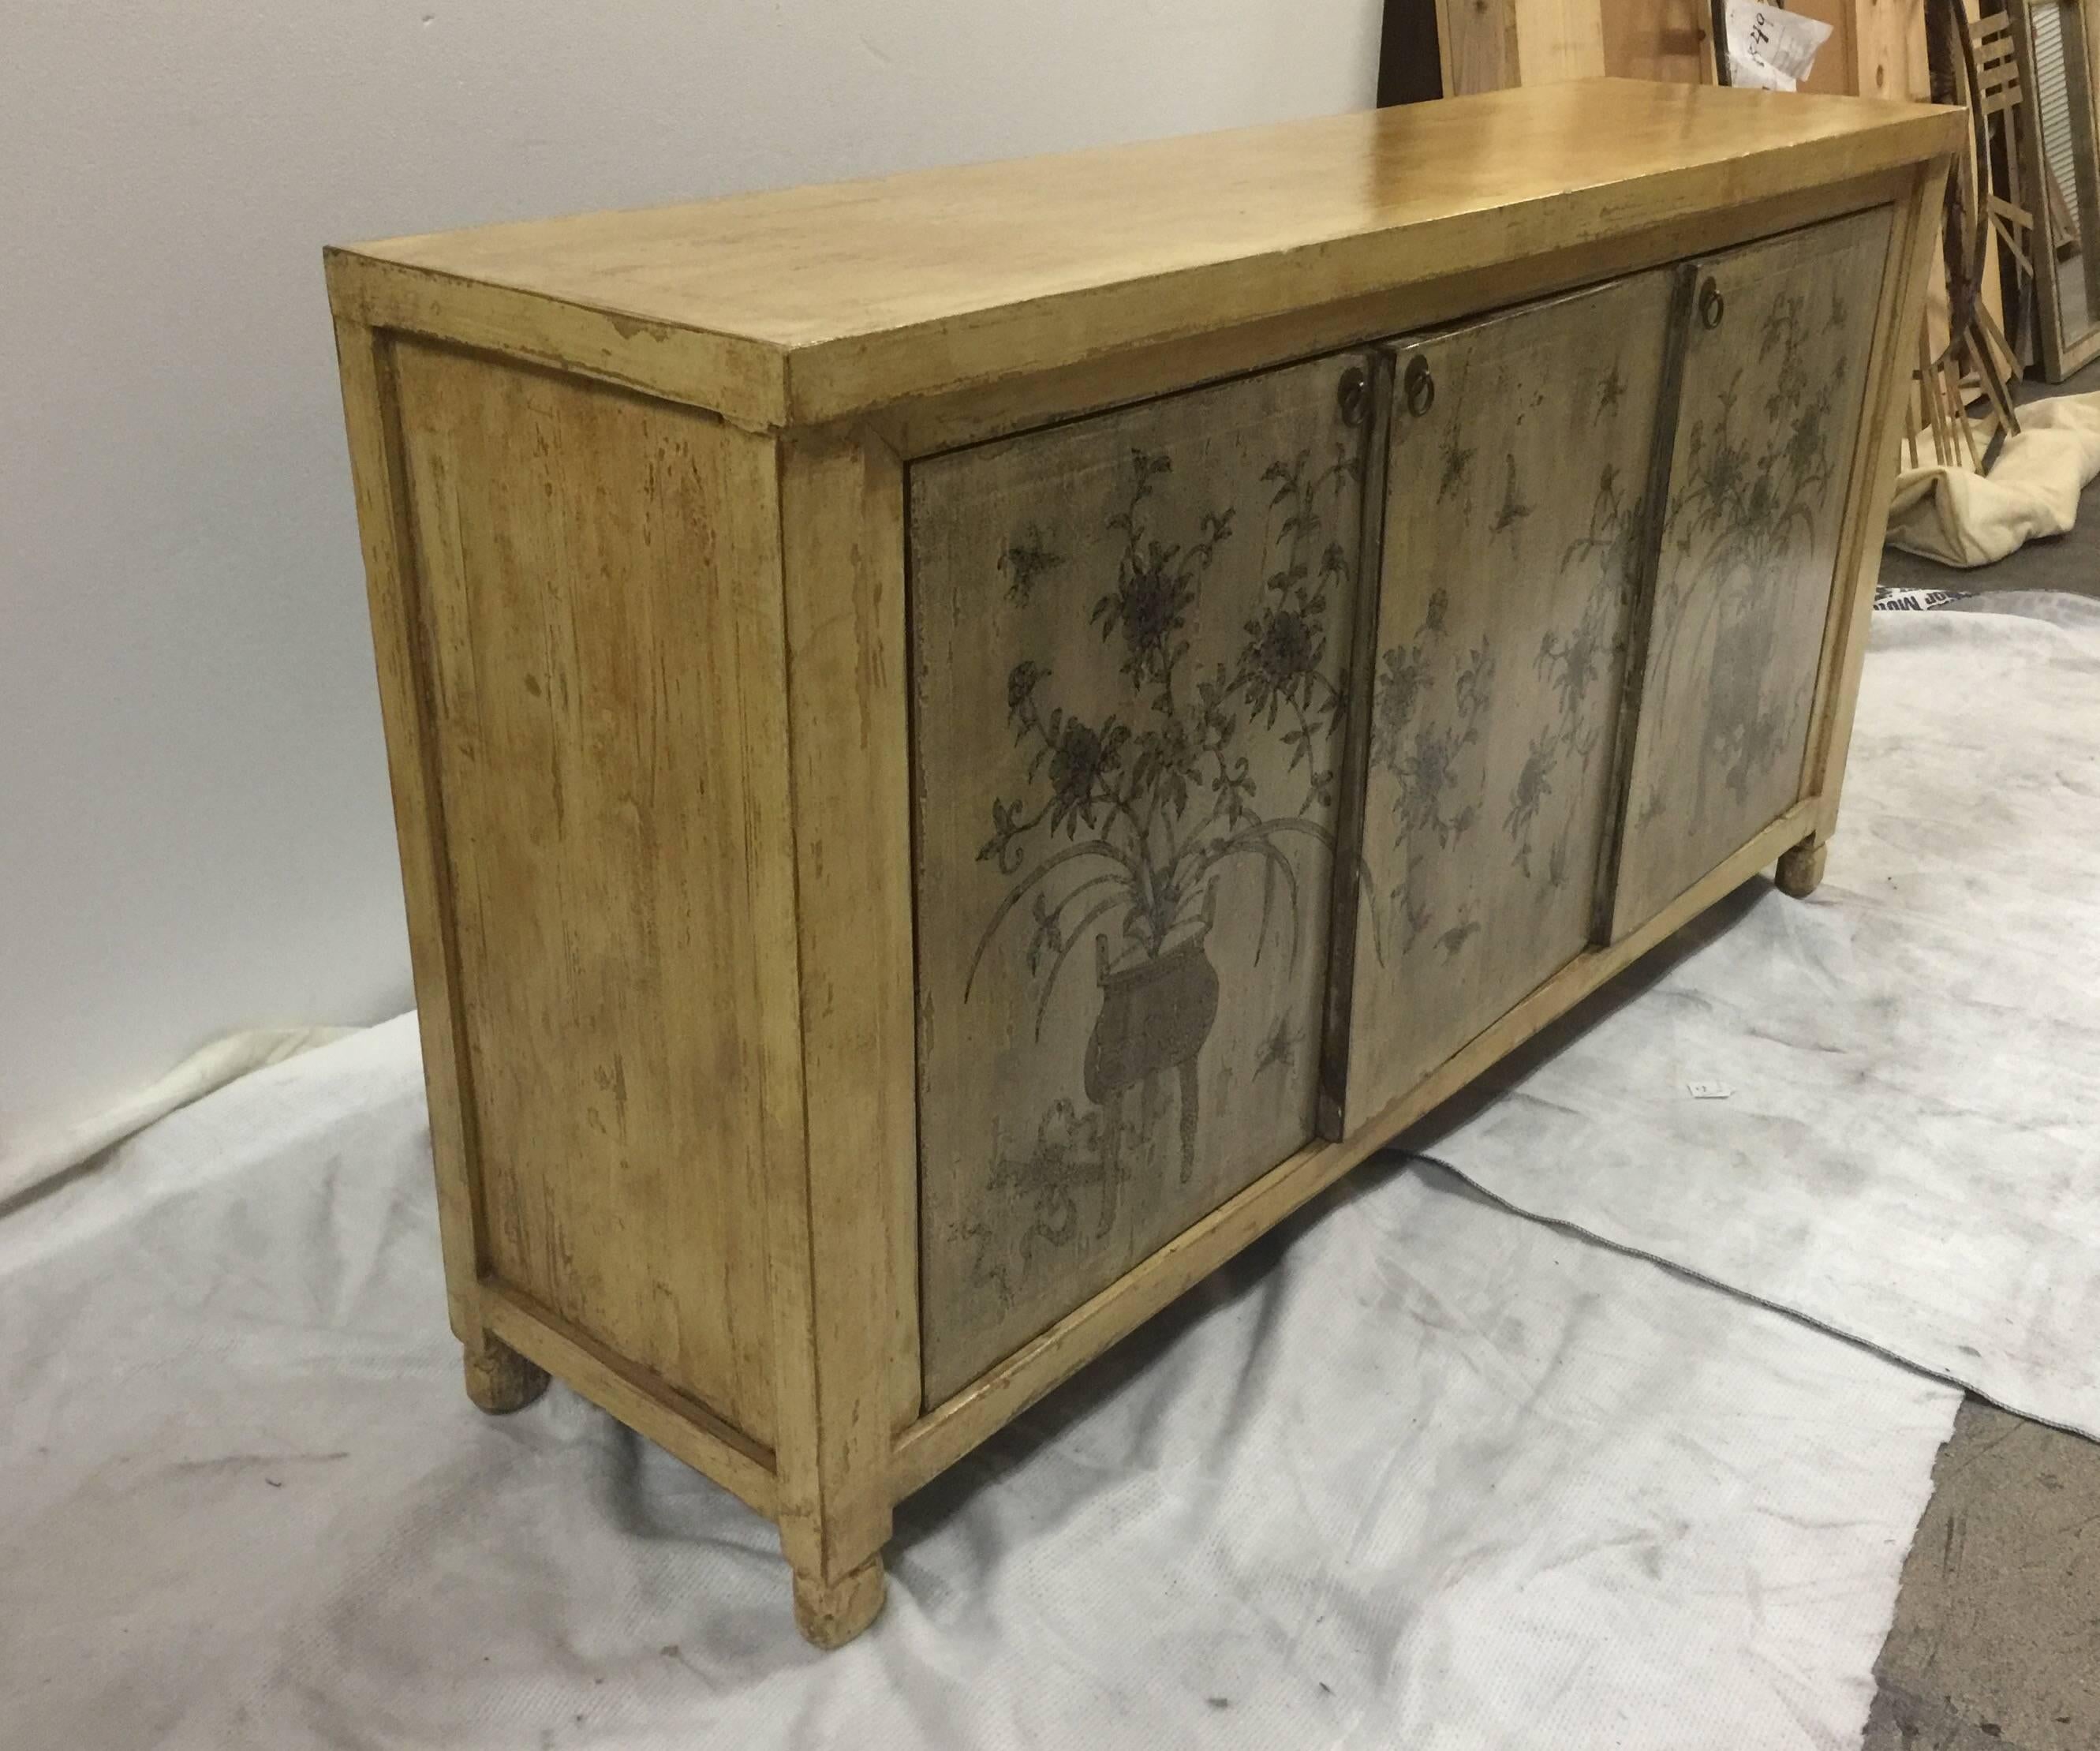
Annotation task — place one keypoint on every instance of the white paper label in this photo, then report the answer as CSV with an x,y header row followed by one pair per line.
x,y
1708,1090
1769,48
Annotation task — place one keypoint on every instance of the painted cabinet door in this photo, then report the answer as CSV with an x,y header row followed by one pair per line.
x,y
1775,376
1518,537
1130,638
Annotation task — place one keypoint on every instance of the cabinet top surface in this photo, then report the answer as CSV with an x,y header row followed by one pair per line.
x,y
810,302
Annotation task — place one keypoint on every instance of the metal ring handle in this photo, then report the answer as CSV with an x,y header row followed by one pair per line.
x,y
1712,306
1353,396
1418,386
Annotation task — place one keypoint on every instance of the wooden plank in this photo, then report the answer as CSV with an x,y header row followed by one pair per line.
x,y
604,750
406,693
1658,39
1476,46
1887,49
949,1431
1558,40
1774,380
846,1276
683,1427
1518,532
1913,257
1129,636
869,292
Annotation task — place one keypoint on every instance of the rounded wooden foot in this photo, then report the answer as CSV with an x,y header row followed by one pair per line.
x,y
499,1380
1801,868
830,1616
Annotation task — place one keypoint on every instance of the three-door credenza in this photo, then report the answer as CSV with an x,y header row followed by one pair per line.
x,y
963,744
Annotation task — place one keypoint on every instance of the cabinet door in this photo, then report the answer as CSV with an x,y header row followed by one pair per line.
x,y
1516,542
1129,639
1775,374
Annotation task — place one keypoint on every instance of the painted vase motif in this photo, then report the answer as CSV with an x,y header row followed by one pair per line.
x,y
1135,806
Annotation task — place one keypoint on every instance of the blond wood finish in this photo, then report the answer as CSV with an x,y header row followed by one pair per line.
x,y
1487,45
498,1379
596,731
680,874
946,420
845,1281
1876,47
1913,257
830,1614
810,304
401,647
678,1424
1801,868
1517,537
1668,40
1885,49
1130,635
949,1431
1774,394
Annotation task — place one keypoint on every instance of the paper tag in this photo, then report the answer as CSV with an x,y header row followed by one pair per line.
x,y
1708,1090
1770,48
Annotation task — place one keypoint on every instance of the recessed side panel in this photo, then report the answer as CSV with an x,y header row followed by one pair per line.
x,y
1518,533
601,716
1775,376
1130,643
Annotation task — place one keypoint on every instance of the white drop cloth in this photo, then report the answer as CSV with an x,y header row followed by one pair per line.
x,y
1911,1154
1964,519
1430,1476
28,1163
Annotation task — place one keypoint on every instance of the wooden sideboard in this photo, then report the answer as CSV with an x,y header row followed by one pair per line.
x,y
963,744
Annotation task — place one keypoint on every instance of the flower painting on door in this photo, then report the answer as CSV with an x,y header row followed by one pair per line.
x,y
1775,380
1169,627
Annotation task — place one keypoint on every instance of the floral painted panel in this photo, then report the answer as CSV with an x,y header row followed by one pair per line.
x,y
1517,545
1129,639
1769,412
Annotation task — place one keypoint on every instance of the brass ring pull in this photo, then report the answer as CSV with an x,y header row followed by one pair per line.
x,y
1711,305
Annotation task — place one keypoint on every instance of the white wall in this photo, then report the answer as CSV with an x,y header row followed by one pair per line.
x,y
194,827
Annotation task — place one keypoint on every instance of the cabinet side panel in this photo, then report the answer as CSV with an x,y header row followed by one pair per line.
x,y
605,764
370,405
1774,380
1517,532
1129,652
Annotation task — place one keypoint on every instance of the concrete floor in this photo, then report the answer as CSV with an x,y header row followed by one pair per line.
x,y
1996,1641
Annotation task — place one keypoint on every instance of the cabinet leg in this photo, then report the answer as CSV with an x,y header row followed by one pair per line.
x,y
831,1614
1801,867
498,1379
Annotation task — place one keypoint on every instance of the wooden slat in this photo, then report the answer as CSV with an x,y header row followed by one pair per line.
x,y
683,1427
844,1275
1913,245
406,692
939,1439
